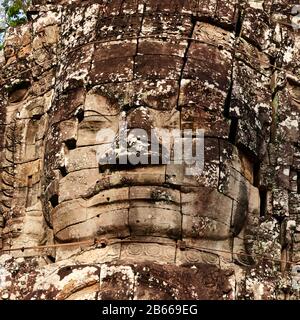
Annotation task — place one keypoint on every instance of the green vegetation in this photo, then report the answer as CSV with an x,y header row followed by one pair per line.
x,y
12,14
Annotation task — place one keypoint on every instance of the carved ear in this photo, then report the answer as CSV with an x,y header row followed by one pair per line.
x,y
18,92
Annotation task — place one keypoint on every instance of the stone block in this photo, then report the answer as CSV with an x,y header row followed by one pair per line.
x,y
168,47
192,256
68,185
111,224
109,196
148,67
192,175
159,94
141,252
204,228
115,49
112,70
103,255
167,24
206,202
155,220
68,213
118,27
154,194
88,133
81,158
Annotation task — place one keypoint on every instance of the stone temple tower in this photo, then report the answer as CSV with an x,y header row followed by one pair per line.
x,y
72,227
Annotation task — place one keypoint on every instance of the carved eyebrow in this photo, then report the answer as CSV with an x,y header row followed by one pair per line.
x,y
100,114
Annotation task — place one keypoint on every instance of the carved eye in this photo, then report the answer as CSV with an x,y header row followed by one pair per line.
x,y
18,92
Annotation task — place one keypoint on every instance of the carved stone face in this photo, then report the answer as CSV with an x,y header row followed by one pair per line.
x,y
78,68
154,68
161,80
